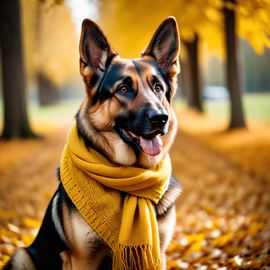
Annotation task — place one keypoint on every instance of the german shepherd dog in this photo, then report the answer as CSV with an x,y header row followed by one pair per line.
x,y
126,116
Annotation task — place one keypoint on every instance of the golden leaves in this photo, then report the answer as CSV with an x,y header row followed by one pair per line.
x,y
223,214
27,176
31,223
230,247
7,214
204,18
223,240
16,236
248,148
13,237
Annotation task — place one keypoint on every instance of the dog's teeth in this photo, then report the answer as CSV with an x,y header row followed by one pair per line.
x,y
133,135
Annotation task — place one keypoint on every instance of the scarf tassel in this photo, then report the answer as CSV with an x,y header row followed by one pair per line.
x,y
136,257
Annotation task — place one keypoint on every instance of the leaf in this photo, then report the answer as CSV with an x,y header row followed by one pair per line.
x,y
31,223
223,240
7,214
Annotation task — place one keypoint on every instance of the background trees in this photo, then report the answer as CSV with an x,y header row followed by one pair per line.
x,y
16,122
38,47
232,68
50,46
50,43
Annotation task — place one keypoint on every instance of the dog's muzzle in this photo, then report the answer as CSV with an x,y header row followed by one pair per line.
x,y
143,129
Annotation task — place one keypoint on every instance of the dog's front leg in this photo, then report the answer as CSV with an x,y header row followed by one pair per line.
x,y
166,226
78,262
87,249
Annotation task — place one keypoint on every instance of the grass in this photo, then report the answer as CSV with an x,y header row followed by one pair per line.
x,y
256,106
65,109
44,118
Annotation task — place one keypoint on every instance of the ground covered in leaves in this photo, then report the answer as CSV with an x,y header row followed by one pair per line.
x,y
222,216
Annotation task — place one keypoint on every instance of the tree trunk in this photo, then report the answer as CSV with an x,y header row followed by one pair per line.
x,y
16,123
232,69
47,91
193,80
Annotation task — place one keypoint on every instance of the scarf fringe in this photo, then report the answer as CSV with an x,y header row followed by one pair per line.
x,y
135,257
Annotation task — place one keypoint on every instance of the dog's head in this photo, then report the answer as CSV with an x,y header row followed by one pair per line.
x,y
127,114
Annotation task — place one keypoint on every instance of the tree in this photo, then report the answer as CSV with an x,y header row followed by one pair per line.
x,y
232,68
193,91
16,124
57,50
47,90
51,47
249,20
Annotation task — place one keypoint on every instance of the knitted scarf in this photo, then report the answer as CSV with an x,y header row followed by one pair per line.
x,y
127,223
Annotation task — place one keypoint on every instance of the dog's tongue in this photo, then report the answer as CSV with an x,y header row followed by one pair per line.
x,y
151,146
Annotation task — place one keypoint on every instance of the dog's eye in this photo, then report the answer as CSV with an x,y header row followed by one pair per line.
x,y
158,87
122,89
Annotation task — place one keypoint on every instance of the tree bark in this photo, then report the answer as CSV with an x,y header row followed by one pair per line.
x,y
16,124
193,89
237,119
47,91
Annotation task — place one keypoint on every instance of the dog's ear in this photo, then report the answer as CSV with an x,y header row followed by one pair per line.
x,y
164,47
95,51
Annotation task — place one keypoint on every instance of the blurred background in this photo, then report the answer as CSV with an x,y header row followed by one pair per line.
x,y
221,154
50,29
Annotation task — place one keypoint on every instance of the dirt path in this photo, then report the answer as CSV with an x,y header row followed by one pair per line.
x,y
223,213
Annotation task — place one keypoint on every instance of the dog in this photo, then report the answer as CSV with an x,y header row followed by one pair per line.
x,y
126,116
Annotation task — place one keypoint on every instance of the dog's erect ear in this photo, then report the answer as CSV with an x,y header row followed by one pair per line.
x,y
164,46
95,50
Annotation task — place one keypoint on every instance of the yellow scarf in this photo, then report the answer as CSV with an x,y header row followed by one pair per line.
x,y
127,224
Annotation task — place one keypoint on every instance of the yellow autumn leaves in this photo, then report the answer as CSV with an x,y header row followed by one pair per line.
x,y
13,237
130,26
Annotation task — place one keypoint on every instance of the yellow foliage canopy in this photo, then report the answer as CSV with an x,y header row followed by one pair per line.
x,y
51,44
254,23
139,20
136,22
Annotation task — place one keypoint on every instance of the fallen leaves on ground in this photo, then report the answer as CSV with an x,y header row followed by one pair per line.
x,y
249,148
27,182
222,217
15,236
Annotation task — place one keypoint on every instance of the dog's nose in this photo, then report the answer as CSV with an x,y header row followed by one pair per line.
x,y
158,119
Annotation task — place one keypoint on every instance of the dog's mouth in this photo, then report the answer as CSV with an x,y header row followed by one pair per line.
x,y
151,144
